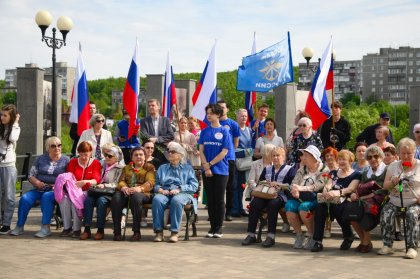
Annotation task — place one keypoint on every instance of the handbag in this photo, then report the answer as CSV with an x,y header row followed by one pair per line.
x,y
95,191
336,200
307,196
243,164
367,188
353,211
264,191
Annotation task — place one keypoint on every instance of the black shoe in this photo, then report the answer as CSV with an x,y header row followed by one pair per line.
x,y
244,214
346,244
5,230
228,218
397,236
318,247
268,242
249,240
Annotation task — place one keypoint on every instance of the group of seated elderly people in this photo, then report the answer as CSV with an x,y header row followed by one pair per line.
x,y
355,199
82,183
313,192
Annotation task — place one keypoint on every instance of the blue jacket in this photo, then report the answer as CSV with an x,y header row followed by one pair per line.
x,y
182,177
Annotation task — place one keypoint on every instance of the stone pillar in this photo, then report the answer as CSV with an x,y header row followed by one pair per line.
x,y
190,85
414,110
154,88
30,104
59,88
285,109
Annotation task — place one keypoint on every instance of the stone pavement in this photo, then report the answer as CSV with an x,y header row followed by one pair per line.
x,y
28,257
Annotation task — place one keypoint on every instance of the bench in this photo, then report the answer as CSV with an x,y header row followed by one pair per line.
x,y
190,214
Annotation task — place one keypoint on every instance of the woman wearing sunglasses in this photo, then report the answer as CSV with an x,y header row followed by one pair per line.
x,y
97,135
42,176
306,137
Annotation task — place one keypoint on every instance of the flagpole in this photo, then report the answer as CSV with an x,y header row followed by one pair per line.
x,y
179,121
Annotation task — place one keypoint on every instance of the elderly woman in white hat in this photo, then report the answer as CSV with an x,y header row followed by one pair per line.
x,y
175,185
101,194
308,181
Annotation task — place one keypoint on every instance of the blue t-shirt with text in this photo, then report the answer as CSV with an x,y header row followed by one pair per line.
x,y
214,141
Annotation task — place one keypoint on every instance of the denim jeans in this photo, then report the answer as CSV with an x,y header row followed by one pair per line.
x,y
238,192
176,207
8,176
101,203
27,201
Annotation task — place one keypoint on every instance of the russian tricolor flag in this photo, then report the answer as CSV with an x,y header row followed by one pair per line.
x,y
80,99
317,103
131,94
169,94
205,93
251,96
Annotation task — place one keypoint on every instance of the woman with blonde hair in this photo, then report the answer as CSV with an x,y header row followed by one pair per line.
x,y
96,135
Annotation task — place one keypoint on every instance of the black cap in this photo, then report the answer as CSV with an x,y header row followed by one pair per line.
x,y
385,115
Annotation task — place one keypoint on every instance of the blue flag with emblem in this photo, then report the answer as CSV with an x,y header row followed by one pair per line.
x,y
266,69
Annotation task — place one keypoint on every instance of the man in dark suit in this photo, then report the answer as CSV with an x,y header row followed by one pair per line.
x,y
156,128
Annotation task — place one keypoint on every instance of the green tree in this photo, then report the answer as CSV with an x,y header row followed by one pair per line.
x,y
350,97
10,98
2,83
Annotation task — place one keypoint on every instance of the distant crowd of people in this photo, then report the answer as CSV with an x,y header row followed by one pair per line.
x,y
311,178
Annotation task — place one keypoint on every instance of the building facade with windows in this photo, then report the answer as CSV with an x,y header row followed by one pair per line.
x,y
389,74
347,77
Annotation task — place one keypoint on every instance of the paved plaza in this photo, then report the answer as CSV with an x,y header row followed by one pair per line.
x,y
28,257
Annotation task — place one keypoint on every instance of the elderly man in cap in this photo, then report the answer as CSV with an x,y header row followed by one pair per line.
x,y
175,185
368,135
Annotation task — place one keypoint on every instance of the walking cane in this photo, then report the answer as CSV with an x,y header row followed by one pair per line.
x,y
132,184
126,217
403,215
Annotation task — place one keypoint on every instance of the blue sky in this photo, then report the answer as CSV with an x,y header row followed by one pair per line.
x,y
108,29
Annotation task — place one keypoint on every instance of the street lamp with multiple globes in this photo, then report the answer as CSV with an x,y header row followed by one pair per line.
x,y
43,20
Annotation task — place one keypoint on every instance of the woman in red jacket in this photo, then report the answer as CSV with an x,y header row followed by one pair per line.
x,y
87,172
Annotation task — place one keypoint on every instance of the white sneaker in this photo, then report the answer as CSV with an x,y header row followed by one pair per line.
x,y
43,232
386,250
300,238
309,243
18,230
218,235
285,228
411,254
143,223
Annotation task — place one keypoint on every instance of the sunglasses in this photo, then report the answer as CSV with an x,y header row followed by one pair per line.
x,y
100,121
302,125
109,156
369,157
172,152
55,145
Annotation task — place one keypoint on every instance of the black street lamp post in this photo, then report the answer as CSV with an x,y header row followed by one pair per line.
x,y
43,20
